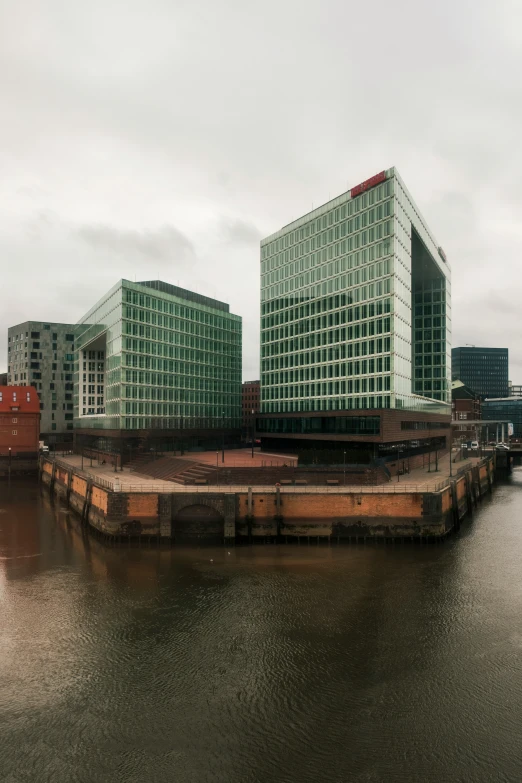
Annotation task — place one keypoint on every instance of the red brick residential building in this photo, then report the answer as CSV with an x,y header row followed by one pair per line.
x,y
19,421
465,406
251,402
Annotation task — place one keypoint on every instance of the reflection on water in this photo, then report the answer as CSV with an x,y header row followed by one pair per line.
x,y
267,663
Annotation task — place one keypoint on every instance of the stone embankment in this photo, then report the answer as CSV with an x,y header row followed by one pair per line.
x,y
117,507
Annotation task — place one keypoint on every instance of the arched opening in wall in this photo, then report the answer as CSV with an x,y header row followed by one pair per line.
x,y
198,524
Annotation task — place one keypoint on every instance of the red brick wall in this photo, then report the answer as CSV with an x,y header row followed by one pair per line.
x,y
354,506
251,396
20,432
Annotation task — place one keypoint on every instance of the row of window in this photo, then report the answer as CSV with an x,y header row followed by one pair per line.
x,y
333,216
357,251
329,425
330,337
319,326
334,284
351,252
228,333
423,425
224,355
213,421
202,384
280,312
35,335
362,402
180,373
231,323
210,340
207,409
336,370
342,351
370,385
15,396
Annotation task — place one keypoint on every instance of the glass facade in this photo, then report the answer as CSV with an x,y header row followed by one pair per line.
x,y
154,356
302,425
484,370
355,308
507,409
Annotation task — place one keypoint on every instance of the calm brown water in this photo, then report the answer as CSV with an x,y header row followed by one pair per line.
x,y
270,663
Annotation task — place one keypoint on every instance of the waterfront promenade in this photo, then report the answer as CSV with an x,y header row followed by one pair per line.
x,y
421,479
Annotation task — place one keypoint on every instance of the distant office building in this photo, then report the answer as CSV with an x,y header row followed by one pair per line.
x,y
41,355
157,365
355,326
504,409
485,370
19,421
515,390
250,405
3,379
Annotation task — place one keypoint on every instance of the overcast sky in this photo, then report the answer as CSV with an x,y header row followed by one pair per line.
x,y
163,138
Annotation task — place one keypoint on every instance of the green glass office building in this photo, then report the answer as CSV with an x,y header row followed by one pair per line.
x,y
155,358
355,321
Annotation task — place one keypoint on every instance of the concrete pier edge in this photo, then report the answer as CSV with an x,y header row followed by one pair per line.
x,y
255,513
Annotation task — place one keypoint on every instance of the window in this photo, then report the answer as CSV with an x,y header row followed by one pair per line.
x,y
15,432
14,421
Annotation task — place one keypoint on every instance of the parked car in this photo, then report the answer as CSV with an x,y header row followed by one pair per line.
x,y
474,445
503,446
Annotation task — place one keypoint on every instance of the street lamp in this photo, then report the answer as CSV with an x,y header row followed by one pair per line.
x,y
223,437
252,419
9,463
217,468
344,468
181,424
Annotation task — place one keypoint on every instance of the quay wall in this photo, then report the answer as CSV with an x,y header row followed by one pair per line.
x,y
255,513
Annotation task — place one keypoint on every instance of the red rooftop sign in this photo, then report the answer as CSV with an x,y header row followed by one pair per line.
x,y
367,184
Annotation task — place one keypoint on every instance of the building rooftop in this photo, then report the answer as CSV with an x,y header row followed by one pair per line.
x,y
476,348
183,293
23,399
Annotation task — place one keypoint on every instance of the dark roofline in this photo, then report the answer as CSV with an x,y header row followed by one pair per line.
x,y
183,293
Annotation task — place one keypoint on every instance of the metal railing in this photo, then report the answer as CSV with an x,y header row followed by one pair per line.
x,y
120,484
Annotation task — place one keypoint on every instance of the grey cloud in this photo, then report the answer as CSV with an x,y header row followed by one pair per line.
x,y
195,121
164,244
239,231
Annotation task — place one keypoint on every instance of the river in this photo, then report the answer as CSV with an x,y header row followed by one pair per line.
x,y
260,664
